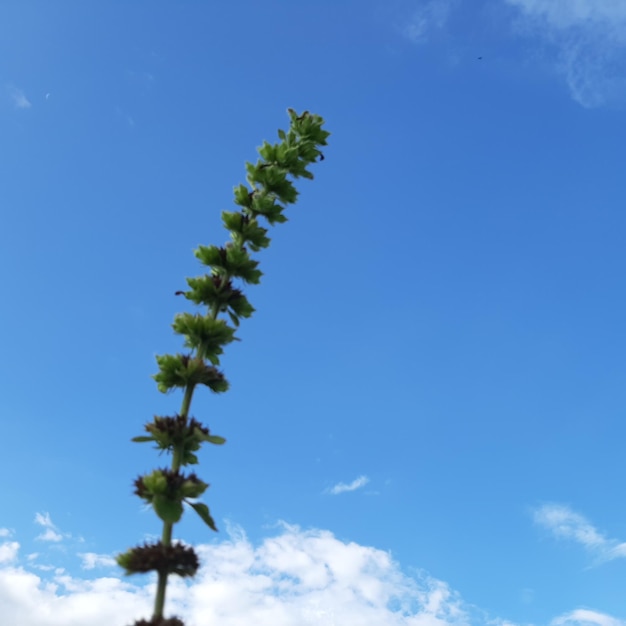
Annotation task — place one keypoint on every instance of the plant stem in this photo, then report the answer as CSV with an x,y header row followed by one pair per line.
x,y
159,601
266,195
166,537
184,411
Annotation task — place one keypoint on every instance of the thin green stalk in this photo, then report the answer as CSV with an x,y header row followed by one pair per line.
x,y
186,404
166,537
168,527
159,600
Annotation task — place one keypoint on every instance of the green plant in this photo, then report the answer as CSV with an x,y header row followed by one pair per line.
x,y
168,490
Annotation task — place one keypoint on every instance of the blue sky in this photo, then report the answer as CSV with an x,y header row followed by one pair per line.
x,y
425,424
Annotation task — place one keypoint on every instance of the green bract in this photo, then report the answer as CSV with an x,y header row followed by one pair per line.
x,y
205,334
182,370
178,433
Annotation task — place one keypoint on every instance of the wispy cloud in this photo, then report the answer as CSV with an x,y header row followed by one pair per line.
x,y
50,530
141,79
20,101
574,12
91,560
564,523
47,568
429,17
586,617
588,38
357,483
125,116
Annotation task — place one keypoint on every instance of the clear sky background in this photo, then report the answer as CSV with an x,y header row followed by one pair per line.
x,y
426,421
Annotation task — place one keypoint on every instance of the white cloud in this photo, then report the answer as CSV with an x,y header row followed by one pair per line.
x,y
20,101
92,560
428,17
51,532
28,600
357,483
586,617
50,535
308,578
567,524
296,577
5,532
8,551
589,41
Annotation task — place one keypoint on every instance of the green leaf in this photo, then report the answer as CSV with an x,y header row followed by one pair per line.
x,y
203,511
172,371
242,196
238,263
189,458
254,235
217,440
267,151
125,561
241,307
155,483
265,205
142,439
205,333
170,511
232,220
181,370
193,488
210,255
